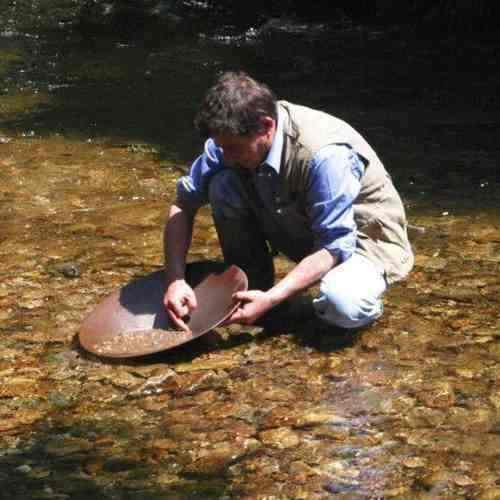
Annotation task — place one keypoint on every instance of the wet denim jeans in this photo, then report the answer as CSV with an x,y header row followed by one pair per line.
x,y
350,294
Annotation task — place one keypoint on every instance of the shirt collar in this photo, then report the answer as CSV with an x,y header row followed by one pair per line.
x,y
273,158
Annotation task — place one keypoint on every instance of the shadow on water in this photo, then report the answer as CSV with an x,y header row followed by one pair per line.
x,y
61,458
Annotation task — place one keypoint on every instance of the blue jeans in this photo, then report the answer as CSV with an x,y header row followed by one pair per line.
x,y
350,294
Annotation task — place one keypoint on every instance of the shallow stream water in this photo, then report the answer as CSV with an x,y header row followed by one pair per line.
x,y
93,133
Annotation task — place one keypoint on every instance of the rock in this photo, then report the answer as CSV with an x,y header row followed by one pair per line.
x,y
67,446
489,445
489,494
484,332
414,462
68,269
462,480
20,418
120,464
459,294
280,438
318,417
154,403
437,481
191,383
61,399
495,399
18,387
300,468
479,420
437,395
431,263
215,461
208,364
167,479
125,380
164,444
24,469
279,416
339,468
153,385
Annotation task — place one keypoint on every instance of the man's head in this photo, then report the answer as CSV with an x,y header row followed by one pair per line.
x,y
240,114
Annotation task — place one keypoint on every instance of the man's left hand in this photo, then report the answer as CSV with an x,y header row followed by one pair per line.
x,y
254,303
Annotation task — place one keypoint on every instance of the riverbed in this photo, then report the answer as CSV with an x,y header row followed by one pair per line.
x,y
94,132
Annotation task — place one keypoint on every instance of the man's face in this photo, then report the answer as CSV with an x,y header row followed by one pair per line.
x,y
246,151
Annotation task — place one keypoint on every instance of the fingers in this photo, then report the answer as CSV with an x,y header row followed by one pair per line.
x,y
176,307
180,301
244,296
191,302
178,321
242,315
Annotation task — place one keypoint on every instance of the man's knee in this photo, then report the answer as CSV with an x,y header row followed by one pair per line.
x,y
347,310
351,295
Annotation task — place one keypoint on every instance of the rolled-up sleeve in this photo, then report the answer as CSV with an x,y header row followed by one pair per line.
x,y
192,189
334,183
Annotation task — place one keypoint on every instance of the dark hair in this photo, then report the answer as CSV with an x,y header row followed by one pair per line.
x,y
234,106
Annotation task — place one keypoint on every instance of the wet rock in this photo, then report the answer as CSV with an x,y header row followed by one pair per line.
x,y
231,431
339,468
319,417
489,494
168,479
332,432
472,368
192,383
300,470
484,332
431,263
119,464
62,399
24,469
155,404
495,399
20,418
18,387
459,294
70,269
164,445
489,445
261,465
463,480
280,438
438,395
279,416
492,292
182,432
437,481
215,461
414,462
208,364
124,380
153,385
480,420
67,446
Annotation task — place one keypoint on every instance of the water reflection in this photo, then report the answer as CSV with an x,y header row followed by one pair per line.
x,y
91,144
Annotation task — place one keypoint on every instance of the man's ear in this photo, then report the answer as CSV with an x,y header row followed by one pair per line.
x,y
267,123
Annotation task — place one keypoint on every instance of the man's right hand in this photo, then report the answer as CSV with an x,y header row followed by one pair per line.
x,y
180,301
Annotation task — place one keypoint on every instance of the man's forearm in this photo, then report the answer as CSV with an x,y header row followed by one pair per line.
x,y
305,274
176,241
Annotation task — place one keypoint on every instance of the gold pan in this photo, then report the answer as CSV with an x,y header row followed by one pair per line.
x,y
133,321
